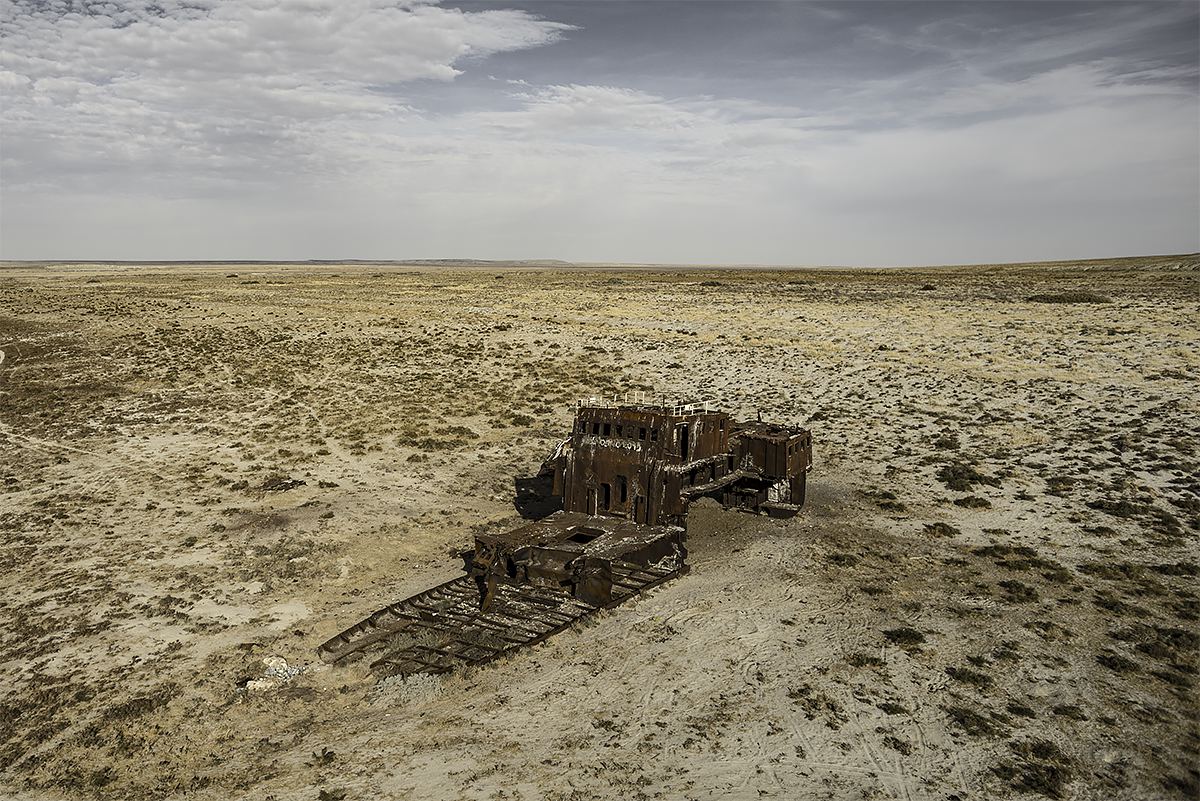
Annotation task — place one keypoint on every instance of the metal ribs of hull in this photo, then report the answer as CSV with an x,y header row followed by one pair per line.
x,y
454,632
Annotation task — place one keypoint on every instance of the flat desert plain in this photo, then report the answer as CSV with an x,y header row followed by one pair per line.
x,y
992,592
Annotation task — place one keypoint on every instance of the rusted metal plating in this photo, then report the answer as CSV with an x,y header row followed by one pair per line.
x,y
621,484
645,463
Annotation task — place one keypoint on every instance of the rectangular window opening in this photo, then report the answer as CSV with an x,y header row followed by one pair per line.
x,y
585,535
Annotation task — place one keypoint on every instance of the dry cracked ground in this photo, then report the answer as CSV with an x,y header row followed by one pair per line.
x,y
991,594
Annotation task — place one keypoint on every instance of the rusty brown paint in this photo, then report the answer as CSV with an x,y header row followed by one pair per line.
x,y
625,475
643,463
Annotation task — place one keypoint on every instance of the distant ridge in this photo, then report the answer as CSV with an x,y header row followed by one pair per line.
x,y
1181,262
381,262
479,262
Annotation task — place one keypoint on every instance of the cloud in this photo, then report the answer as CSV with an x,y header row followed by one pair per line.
x,y
974,63
221,91
277,129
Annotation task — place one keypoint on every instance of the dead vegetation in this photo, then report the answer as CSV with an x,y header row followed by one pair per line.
x,y
999,553
1071,296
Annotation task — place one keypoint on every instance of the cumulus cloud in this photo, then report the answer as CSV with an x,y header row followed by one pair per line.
x,y
221,91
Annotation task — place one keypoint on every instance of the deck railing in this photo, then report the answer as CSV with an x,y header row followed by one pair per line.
x,y
638,398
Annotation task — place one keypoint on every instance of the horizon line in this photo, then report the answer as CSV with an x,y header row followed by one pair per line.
x,y
563,263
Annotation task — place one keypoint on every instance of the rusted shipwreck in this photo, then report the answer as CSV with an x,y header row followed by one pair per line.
x,y
612,504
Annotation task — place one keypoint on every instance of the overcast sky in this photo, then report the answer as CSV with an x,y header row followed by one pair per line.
x,y
688,132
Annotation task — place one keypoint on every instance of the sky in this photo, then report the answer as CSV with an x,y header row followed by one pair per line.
x,y
835,133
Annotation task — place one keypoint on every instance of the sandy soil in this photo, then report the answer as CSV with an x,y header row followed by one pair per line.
x,y
992,592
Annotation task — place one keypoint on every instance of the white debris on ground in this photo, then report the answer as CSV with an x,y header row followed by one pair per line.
x,y
278,672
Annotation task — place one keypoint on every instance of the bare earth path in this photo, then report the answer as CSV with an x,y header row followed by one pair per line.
x,y
992,591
